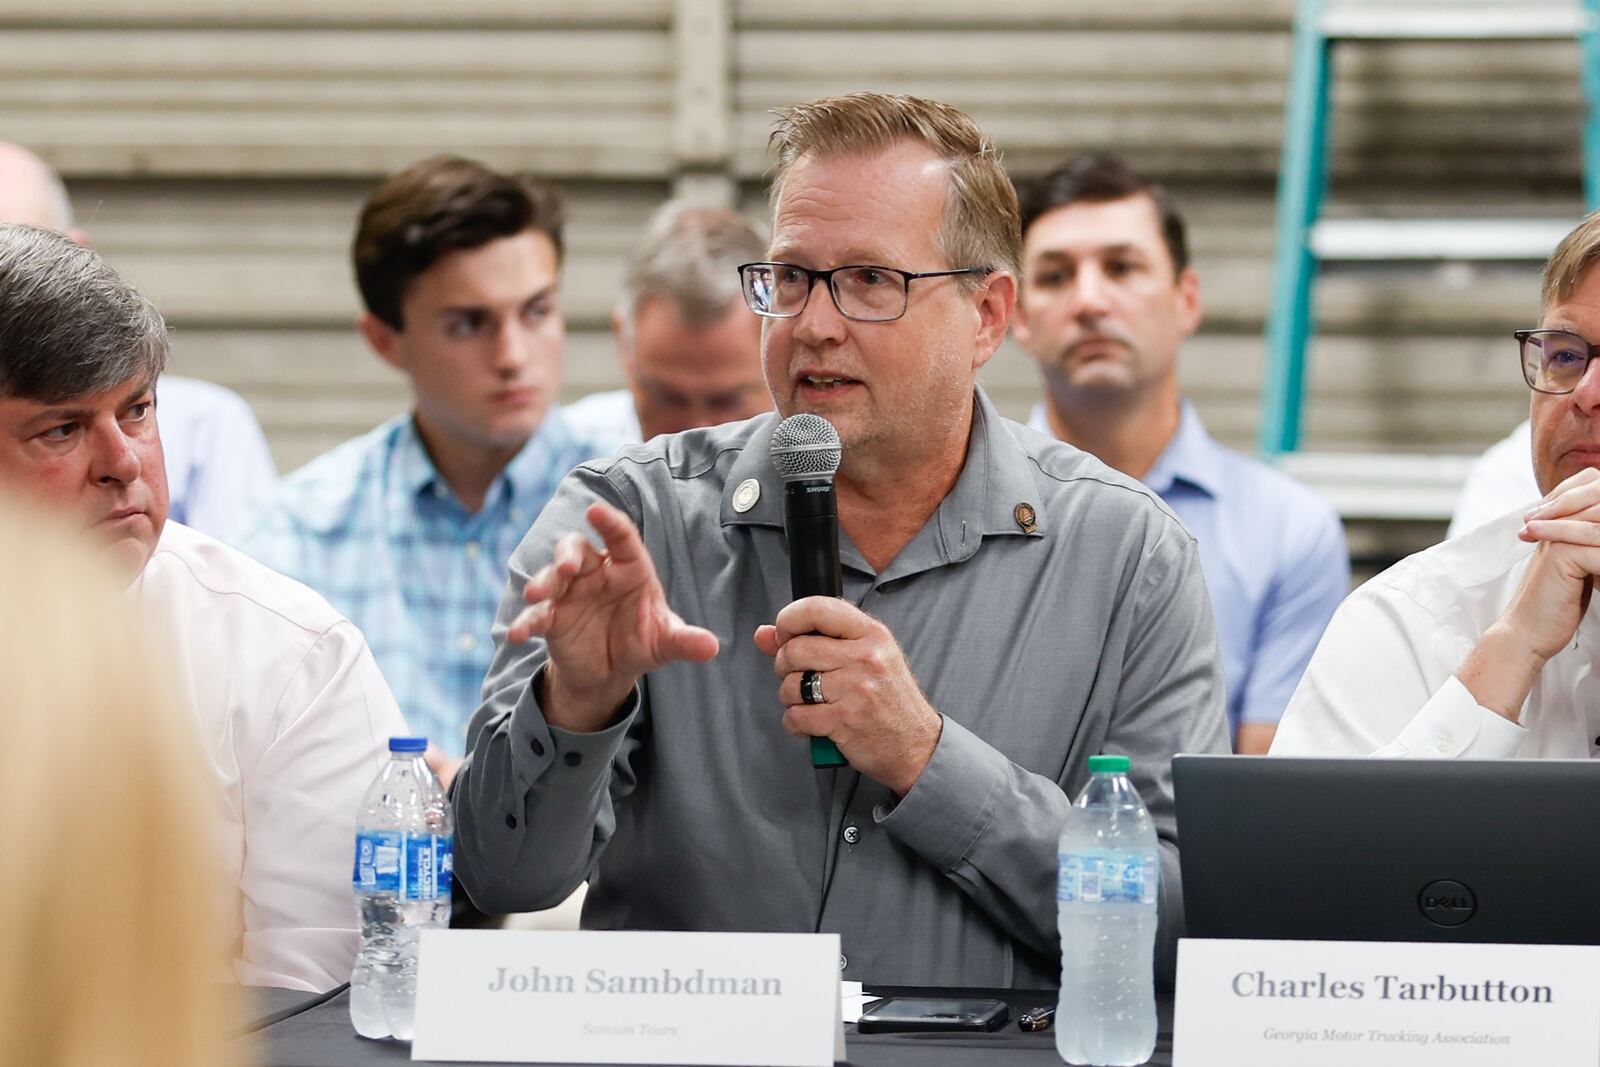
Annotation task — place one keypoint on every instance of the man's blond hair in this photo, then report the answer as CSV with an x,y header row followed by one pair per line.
x,y
1577,252
982,226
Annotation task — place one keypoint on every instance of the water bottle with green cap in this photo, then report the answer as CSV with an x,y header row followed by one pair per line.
x,y
1106,893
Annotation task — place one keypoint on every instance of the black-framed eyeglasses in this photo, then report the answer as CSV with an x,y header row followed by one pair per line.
x,y
1553,361
861,291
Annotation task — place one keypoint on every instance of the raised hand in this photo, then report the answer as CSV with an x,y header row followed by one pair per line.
x,y
605,621
1560,580
1544,614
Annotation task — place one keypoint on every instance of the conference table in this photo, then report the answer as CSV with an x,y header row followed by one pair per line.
x,y
313,1030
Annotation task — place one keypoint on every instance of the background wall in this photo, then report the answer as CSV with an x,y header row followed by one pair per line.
x,y
218,151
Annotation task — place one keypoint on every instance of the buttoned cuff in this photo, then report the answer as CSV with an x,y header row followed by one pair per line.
x,y
541,748
952,802
1452,724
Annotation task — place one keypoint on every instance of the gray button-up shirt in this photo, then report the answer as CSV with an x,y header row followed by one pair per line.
x,y
1041,642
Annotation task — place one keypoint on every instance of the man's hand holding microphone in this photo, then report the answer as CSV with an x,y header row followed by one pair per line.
x,y
605,620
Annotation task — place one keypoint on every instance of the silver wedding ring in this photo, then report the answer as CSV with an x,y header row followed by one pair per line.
x,y
811,687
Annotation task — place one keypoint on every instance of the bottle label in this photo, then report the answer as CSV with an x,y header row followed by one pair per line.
x,y
428,866
1107,878
410,866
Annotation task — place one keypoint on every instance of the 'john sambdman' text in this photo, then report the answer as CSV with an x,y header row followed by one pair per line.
x,y
698,984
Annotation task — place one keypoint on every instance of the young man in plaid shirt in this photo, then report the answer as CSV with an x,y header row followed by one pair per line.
x,y
407,529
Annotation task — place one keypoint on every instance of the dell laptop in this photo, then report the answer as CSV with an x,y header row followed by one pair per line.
x,y
1390,850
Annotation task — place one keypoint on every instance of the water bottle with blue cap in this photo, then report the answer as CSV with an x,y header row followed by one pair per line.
x,y
404,836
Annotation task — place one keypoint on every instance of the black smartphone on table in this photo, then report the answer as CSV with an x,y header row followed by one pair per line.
x,y
932,1014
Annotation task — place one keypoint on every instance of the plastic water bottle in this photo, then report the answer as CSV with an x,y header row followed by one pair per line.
x,y
404,837
1106,899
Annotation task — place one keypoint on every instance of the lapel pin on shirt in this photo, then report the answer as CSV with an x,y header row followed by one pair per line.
x,y
1025,516
746,495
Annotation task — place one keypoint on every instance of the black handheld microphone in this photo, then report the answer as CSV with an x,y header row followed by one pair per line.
x,y
806,453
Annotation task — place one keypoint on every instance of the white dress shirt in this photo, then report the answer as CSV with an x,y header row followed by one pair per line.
x,y
218,464
1383,679
295,719
608,417
1499,482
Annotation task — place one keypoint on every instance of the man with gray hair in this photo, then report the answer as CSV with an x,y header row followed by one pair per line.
x,y
286,699
690,350
1011,606
218,465
1484,646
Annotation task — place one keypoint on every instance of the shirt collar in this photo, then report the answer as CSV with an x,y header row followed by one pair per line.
x,y
414,471
994,495
528,475
523,478
1191,457
1039,419
996,492
753,494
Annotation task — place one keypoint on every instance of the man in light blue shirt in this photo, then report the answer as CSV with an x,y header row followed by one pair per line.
x,y
1107,300
408,528
219,468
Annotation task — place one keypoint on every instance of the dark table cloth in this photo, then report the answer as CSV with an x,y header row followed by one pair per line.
x,y
320,1036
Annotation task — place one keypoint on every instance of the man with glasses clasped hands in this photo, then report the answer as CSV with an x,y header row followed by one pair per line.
x,y
1482,646
1010,606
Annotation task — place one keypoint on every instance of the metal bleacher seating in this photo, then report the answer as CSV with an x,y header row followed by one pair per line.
x,y
1309,242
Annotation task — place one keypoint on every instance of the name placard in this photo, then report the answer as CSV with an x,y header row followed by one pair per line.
x,y
526,996
1260,1003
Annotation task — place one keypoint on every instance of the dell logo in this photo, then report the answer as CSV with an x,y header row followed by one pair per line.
x,y
1446,902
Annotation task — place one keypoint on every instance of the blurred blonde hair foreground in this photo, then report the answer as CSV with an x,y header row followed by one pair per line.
x,y
109,951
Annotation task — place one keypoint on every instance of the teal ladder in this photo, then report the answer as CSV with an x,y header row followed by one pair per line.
x,y
1304,239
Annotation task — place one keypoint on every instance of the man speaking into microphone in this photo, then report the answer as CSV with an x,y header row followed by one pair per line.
x,y
1010,606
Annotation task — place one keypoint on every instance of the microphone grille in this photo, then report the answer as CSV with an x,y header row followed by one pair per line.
x,y
806,446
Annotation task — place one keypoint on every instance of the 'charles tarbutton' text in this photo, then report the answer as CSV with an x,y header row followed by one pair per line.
x,y
1441,989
